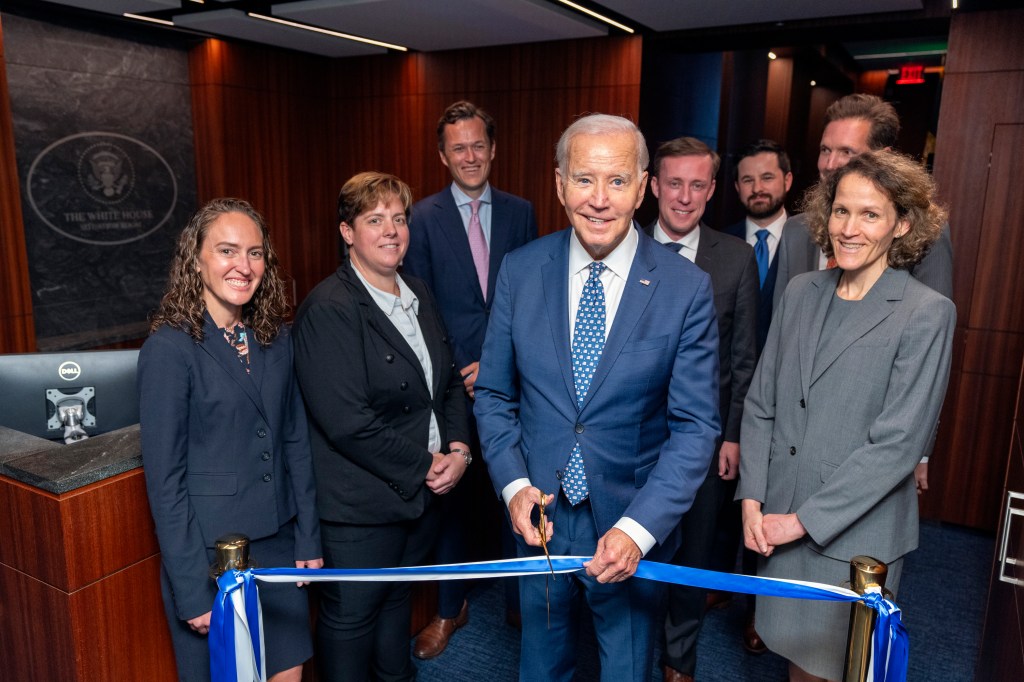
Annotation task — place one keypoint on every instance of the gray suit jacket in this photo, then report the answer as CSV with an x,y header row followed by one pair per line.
x,y
798,254
834,436
730,263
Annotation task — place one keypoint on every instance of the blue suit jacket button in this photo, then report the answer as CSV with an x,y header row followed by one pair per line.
x,y
579,428
266,478
265,456
389,358
261,432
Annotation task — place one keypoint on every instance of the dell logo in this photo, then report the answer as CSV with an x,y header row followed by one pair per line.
x,y
69,371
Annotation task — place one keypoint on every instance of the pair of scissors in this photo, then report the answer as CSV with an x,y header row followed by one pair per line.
x,y
542,530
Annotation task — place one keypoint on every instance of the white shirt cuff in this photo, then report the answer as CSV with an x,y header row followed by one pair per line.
x,y
509,491
924,460
637,533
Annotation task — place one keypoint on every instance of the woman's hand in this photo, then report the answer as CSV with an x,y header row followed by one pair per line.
x,y
782,528
753,530
309,563
447,470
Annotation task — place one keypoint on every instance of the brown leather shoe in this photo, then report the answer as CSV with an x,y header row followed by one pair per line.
x,y
717,600
752,641
670,674
433,639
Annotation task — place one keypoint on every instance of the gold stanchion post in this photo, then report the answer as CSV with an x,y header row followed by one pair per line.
x,y
865,573
232,552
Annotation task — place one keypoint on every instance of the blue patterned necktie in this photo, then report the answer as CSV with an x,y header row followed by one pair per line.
x,y
761,254
587,345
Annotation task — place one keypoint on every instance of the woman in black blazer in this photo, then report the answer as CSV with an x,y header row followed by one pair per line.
x,y
225,444
388,428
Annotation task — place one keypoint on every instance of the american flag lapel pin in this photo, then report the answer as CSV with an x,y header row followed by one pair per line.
x,y
645,282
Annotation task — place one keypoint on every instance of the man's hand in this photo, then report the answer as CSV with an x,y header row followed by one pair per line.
x,y
446,470
468,374
615,558
753,531
308,563
728,461
921,477
520,507
782,528
201,624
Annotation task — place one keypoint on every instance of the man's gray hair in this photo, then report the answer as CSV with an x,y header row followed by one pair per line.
x,y
601,124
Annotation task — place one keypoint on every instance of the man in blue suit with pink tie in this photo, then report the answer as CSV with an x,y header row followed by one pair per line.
x,y
598,393
457,239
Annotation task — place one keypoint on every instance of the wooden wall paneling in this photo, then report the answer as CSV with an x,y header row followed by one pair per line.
x,y
262,127
998,288
986,41
35,548
17,328
779,100
972,468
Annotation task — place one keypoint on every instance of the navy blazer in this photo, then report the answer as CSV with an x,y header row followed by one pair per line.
x,y
369,403
730,262
439,255
649,423
223,452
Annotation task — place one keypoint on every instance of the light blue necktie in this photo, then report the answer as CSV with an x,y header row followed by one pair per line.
x,y
587,346
761,254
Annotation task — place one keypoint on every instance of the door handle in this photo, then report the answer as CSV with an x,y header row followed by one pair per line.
x,y
1014,509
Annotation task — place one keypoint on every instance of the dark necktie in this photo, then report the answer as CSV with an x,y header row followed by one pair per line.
x,y
674,246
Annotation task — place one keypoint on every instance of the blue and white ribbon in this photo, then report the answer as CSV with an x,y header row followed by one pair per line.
x,y
236,634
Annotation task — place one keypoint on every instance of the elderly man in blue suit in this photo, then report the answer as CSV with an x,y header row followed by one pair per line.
x,y
457,239
598,394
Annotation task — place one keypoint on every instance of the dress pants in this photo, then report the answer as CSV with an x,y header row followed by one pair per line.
x,y
624,613
685,614
363,627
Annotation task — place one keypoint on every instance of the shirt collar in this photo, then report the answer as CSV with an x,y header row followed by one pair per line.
x,y
619,261
775,228
690,241
463,199
387,301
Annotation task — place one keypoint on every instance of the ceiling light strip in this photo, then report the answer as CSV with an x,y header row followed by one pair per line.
x,y
152,20
891,55
336,34
603,18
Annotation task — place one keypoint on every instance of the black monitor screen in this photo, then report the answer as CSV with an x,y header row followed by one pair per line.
x,y
96,389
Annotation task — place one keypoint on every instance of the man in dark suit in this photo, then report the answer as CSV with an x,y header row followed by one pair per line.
x,y
458,238
853,125
598,394
683,182
763,179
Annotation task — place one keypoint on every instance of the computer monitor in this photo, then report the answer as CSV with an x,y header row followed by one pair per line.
x,y
94,391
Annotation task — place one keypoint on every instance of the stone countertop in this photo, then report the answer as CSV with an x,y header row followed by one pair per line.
x,y
60,468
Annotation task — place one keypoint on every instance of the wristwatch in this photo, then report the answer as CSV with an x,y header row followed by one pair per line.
x,y
466,454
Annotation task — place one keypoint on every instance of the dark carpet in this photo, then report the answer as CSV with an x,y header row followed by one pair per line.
x,y
942,597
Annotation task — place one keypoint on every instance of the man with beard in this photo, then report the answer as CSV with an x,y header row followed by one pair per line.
x,y
762,179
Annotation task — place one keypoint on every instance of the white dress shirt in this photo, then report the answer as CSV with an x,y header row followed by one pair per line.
x,y
774,234
690,241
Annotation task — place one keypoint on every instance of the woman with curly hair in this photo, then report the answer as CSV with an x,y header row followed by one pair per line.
x,y
225,445
844,402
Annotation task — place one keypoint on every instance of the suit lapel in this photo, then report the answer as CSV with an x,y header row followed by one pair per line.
x,y
875,307
501,235
555,277
705,247
226,356
454,231
635,297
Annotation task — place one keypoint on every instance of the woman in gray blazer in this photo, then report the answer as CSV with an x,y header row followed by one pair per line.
x,y
388,428
225,446
843,403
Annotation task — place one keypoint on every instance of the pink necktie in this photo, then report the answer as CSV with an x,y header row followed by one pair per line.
x,y
478,245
